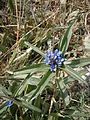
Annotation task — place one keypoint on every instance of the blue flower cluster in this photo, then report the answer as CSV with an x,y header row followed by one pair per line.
x,y
54,59
9,103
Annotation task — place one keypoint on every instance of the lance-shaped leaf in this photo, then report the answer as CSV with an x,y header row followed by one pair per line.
x,y
43,83
36,49
26,104
80,62
73,73
64,42
63,92
32,68
22,86
4,91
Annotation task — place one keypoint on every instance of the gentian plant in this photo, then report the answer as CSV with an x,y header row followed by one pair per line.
x,y
39,89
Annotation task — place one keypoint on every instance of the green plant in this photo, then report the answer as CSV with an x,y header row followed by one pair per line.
x,y
37,93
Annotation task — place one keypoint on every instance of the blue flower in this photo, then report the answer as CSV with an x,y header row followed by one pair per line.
x,y
9,103
54,59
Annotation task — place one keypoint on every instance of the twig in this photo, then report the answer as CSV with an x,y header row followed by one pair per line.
x,y
3,26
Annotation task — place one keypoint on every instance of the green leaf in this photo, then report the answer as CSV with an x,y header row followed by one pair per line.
x,y
4,91
34,81
43,83
69,79
16,117
63,92
80,62
22,86
64,42
37,103
27,105
18,77
73,73
32,68
36,49
3,108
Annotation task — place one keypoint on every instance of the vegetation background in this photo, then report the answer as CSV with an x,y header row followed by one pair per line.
x,y
29,27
